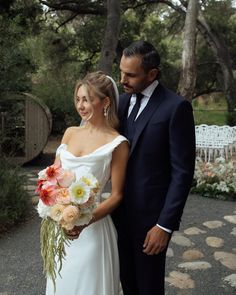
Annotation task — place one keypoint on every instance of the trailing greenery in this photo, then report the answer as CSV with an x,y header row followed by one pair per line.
x,y
52,240
14,199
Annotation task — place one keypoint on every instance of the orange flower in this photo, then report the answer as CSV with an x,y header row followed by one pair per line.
x,y
70,214
67,226
63,196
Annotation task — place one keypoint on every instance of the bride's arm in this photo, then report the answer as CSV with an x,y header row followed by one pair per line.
x,y
65,138
118,169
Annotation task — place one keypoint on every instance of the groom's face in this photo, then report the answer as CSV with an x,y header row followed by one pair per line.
x,y
134,78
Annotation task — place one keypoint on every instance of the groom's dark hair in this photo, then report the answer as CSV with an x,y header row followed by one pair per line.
x,y
150,56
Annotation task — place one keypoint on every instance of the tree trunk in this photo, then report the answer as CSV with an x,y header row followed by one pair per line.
x,y
108,51
187,81
221,51
222,54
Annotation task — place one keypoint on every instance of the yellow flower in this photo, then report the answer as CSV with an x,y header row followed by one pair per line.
x,y
90,180
86,181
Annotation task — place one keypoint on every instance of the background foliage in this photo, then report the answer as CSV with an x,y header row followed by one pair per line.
x,y
14,199
42,52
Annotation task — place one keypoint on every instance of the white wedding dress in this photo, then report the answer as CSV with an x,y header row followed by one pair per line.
x,y
91,266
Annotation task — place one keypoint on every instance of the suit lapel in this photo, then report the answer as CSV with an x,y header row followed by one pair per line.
x,y
153,103
123,110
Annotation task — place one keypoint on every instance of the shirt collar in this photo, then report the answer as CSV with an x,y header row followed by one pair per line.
x,y
150,89
147,92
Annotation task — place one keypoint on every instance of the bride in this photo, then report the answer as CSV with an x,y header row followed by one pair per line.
x,y
91,266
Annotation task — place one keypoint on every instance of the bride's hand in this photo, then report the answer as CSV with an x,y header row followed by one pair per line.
x,y
75,232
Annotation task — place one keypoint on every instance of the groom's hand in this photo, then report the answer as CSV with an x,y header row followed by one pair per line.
x,y
156,241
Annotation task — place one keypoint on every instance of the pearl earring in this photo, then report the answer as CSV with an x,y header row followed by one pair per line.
x,y
105,112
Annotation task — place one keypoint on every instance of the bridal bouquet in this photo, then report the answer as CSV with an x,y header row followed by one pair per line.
x,y
64,202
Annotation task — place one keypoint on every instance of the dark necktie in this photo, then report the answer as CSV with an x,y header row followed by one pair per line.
x,y
135,109
130,127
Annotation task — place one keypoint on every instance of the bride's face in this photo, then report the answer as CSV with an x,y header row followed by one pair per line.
x,y
88,105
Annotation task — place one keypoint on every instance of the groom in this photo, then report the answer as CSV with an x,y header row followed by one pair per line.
x,y
160,127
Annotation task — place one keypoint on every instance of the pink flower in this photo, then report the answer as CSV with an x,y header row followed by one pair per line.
x,y
48,194
66,178
63,196
40,183
53,172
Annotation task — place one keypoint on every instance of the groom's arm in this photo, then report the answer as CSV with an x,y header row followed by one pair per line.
x,y
182,161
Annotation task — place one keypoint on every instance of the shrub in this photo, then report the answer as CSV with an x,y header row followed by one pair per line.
x,y
14,199
216,180
231,119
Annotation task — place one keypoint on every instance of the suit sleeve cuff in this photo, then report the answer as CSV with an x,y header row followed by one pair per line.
x,y
165,229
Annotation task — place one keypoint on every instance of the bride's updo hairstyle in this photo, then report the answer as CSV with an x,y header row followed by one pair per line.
x,y
102,86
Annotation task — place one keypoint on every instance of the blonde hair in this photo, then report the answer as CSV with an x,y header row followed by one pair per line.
x,y
101,85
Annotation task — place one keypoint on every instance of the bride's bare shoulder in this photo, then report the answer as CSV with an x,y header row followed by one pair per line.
x,y
70,131
112,134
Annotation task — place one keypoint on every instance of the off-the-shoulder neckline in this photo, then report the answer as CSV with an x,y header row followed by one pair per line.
x,y
97,149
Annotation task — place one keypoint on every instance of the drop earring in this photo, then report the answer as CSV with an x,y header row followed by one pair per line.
x,y
105,111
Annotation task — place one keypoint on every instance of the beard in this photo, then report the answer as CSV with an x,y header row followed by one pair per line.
x,y
136,88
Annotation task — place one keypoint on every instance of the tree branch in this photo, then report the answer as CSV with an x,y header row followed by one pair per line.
x,y
207,91
138,5
67,21
79,8
208,63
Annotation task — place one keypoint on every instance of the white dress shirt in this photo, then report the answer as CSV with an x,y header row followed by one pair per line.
x,y
147,93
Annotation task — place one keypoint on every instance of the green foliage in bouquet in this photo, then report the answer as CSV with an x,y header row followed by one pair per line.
x,y
53,240
14,199
215,180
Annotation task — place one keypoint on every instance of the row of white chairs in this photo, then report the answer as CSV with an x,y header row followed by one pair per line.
x,y
213,141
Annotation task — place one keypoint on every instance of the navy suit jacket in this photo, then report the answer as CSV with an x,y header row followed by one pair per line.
x,y
161,163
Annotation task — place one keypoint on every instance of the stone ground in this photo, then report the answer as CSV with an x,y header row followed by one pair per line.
x,y
201,259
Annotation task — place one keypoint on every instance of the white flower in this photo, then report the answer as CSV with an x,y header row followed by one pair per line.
x,y
220,160
43,210
90,180
42,174
79,192
218,177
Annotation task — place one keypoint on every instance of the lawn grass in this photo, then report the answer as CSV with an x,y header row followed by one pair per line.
x,y
210,110
210,117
